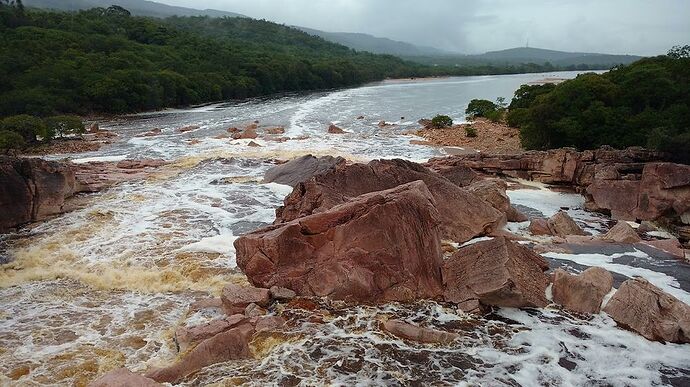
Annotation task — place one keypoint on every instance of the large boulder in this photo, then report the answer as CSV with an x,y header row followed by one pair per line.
x,y
232,344
122,377
381,246
582,293
496,272
463,214
644,308
561,224
622,232
300,169
32,189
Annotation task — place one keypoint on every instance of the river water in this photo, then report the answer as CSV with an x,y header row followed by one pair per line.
x,y
104,286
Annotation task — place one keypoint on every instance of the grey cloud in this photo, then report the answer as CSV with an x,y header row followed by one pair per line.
x,y
614,26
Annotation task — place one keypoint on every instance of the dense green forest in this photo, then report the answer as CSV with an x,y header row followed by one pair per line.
x,y
646,103
104,60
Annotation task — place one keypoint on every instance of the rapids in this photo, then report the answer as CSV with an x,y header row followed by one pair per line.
x,y
104,286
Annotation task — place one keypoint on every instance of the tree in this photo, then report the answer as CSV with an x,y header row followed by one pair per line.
x,y
678,52
441,121
10,140
480,108
64,125
28,127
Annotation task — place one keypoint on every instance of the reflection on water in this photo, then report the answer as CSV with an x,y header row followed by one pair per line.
x,y
104,286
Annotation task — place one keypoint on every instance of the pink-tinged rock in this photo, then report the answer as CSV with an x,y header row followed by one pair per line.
x,y
622,232
32,189
248,134
301,169
140,163
561,224
269,323
122,377
664,191
282,294
582,293
463,214
381,246
539,226
671,246
493,191
188,336
236,298
229,345
496,272
332,129
254,310
415,333
151,133
644,308
208,303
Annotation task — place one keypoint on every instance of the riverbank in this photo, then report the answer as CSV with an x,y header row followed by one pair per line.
x,y
491,137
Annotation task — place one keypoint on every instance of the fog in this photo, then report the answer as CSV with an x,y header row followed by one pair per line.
x,y
473,26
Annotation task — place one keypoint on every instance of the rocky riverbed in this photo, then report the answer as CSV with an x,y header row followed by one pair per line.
x,y
195,258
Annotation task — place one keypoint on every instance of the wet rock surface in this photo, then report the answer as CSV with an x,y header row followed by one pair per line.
x,y
301,169
122,377
463,214
649,311
582,293
382,246
496,272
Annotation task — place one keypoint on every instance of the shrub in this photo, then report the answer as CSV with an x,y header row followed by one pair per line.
x,y
495,115
28,127
441,121
480,108
470,131
516,117
10,140
64,125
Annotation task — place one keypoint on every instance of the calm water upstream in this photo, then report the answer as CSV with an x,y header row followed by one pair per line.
x,y
105,286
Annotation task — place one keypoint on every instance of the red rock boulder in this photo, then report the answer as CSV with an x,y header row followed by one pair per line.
x,y
301,169
463,214
622,232
496,272
237,298
582,293
332,129
419,334
561,224
644,308
382,246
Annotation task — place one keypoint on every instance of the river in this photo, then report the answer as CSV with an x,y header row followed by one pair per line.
x,y
105,285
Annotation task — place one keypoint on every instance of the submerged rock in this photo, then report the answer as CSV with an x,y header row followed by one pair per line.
x,y
301,169
415,333
582,293
381,246
332,129
122,377
644,308
463,214
229,345
496,272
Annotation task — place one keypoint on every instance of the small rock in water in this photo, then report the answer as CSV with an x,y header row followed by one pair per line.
x,y
122,377
253,310
332,129
415,333
582,293
561,224
236,298
622,232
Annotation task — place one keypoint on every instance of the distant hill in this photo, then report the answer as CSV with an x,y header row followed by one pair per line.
x,y
136,7
522,55
558,58
376,45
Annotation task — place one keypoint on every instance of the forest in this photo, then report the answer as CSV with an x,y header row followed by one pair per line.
x,y
104,60
646,103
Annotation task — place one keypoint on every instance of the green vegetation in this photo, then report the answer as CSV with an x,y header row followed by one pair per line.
x,y
441,121
646,104
494,111
470,131
22,130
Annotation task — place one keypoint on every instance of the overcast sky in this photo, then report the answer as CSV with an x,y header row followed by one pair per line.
x,y
644,27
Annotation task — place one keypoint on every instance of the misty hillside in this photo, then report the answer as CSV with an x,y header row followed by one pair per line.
x,y
376,45
136,7
561,58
